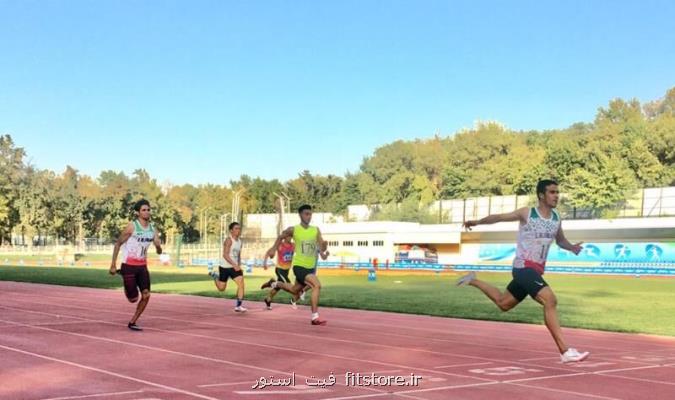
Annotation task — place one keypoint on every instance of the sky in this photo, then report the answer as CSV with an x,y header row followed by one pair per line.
x,y
205,91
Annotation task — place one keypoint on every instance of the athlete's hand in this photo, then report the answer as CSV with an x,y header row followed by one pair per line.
x,y
577,247
270,253
469,224
237,268
324,255
112,270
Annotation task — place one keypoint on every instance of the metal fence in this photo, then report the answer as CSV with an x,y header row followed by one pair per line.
x,y
653,202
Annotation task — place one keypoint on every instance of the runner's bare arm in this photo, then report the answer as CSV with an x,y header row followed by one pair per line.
x,y
287,233
517,215
323,245
563,243
126,234
239,255
157,242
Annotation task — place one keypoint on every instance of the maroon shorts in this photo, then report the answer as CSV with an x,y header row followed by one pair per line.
x,y
136,277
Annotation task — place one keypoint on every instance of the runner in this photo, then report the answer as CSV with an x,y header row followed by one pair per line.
x,y
284,263
135,241
230,265
307,239
539,226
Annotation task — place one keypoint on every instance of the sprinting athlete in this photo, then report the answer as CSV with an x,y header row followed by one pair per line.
x,y
135,241
307,239
284,263
539,227
230,265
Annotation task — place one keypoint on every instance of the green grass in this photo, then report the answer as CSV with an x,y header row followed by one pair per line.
x,y
623,304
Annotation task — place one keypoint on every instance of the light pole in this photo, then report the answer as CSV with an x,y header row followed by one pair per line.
x,y
283,199
235,203
223,225
202,229
280,210
288,202
206,233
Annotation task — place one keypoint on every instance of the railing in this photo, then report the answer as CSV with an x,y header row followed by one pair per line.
x,y
653,202
636,269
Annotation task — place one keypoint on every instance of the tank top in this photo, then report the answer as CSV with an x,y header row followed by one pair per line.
x,y
534,240
305,246
135,251
235,250
285,255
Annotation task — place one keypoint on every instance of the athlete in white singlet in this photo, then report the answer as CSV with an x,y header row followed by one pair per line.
x,y
539,227
134,242
230,265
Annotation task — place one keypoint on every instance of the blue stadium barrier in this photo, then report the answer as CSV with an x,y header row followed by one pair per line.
x,y
663,269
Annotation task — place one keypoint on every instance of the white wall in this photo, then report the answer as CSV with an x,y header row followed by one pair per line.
x,y
267,223
659,201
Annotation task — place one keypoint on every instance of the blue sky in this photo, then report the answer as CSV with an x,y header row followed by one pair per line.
x,y
204,91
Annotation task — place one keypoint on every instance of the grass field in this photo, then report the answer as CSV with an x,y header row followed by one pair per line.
x,y
624,304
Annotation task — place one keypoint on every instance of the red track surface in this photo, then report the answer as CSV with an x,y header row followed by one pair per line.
x,y
72,343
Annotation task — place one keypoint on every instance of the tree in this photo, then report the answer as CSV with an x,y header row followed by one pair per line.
x,y
349,194
68,206
628,145
664,106
601,186
12,181
36,204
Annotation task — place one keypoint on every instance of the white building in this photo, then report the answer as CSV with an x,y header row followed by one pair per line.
x,y
450,244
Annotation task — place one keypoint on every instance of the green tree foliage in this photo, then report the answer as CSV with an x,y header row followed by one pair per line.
x,y
628,146
13,179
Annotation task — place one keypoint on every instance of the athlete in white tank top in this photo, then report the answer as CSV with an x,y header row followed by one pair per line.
x,y
135,249
134,242
539,227
234,254
230,265
535,237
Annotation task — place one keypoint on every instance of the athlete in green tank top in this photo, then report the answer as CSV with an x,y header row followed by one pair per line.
x,y
307,240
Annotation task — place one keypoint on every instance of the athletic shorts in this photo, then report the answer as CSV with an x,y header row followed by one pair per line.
x,y
228,273
136,277
525,281
282,275
302,272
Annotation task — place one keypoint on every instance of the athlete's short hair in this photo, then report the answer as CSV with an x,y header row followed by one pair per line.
x,y
543,184
232,225
140,203
304,207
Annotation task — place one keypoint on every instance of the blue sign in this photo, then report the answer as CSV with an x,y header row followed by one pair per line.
x,y
592,252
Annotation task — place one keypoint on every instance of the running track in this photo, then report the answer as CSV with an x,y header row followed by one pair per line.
x,y
72,343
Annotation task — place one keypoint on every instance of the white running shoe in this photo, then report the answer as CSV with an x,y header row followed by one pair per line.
x,y
240,309
302,296
466,279
293,304
572,355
